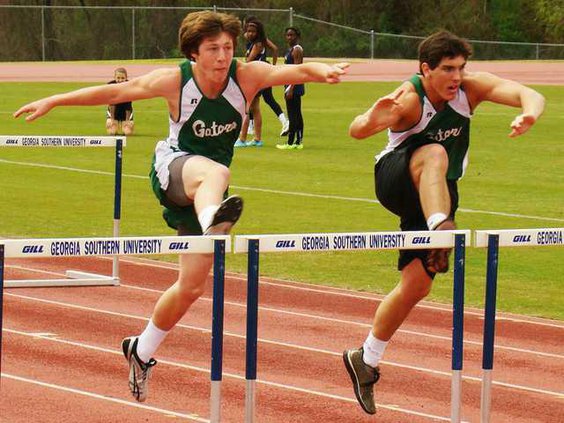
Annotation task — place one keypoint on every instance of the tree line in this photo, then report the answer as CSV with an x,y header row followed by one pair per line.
x,y
108,33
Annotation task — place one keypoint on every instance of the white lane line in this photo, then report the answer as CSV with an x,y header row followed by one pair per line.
x,y
332,291
236,376
350,322
345,293
282,344
273,191
353,323
29,269
192,417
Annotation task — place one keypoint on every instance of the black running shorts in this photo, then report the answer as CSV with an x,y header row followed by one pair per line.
x,y
396,192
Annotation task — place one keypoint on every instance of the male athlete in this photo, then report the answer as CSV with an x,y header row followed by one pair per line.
x,y
428,123
207,98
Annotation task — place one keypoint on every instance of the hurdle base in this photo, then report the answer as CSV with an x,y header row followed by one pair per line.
x,y
250,400
456,396
76,278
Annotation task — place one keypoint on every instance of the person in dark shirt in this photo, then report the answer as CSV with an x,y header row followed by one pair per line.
x,y
119,117
293,93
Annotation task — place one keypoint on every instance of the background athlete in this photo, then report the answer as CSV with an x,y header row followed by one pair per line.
x,y
293,93
206,97
428,123
119,117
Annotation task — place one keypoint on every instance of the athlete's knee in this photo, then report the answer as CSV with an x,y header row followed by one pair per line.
x,y
428,158
189,289
220,172
435,155
416,283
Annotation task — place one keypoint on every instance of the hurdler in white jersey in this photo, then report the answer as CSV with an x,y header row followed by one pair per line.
x,y
428,123
206,99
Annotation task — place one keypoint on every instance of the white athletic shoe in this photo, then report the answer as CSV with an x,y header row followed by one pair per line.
x,y
139,371
285,128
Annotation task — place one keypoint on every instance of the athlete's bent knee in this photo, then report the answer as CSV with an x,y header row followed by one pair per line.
x,y
191,292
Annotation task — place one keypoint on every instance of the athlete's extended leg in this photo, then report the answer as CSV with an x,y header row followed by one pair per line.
x,y
271,101
428,168
414,285
362,364
171,306
257,119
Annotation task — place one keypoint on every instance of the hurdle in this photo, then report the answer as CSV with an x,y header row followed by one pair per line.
x,y
76,278
319,242
88,247
493,240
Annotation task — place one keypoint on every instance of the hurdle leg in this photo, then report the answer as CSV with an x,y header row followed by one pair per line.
x,y
117,202
252,320
1,299
217,330
457,327
489,327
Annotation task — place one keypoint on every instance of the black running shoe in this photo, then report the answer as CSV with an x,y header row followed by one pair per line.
x,y
226,216
363,378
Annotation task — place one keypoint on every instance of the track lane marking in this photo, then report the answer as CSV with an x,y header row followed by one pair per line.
x,y
273,191
232,375
104,397
289,345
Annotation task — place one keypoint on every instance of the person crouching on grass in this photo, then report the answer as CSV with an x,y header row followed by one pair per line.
x,y
119,117
207,100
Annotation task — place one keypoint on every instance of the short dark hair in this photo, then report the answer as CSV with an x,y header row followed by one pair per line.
x,y
442,44
293,28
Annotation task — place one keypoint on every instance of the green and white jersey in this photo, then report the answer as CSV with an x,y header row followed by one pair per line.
x,y
449,127
206,127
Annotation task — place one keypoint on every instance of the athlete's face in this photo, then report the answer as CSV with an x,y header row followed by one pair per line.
x,y
291,37
251,33
120,76
214,56
446,78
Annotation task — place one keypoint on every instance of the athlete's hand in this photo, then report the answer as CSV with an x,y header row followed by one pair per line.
x,y
35,109
389,103
521,124
335,71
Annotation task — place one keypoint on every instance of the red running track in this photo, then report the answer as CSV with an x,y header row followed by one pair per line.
x,y
62,360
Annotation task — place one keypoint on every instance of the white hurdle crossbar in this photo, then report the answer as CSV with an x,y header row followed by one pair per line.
x,y
76,278
88,247
492,240
254,244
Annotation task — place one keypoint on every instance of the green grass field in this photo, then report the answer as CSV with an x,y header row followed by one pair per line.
x,y
327,187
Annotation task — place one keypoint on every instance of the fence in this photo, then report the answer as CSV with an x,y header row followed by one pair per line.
x,y
130,32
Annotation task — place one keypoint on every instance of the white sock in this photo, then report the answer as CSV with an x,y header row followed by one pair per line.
x,y
435,219
206,216
373,350
149,341
282,118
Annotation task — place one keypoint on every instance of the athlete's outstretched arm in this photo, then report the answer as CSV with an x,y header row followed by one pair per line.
x,y
154,84
256,75
489,87
386,112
